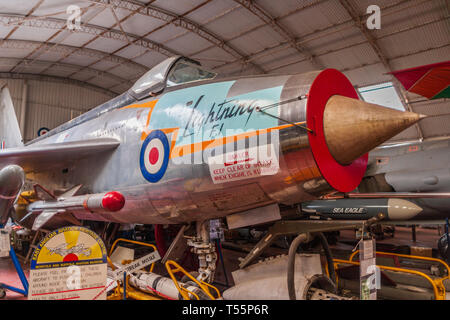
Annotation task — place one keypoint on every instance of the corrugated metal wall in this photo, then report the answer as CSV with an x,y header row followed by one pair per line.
x,y
50,104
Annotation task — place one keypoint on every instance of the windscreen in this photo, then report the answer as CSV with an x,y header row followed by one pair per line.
x,y
184,72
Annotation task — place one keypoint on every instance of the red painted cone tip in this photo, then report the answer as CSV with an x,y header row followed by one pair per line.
x,y
113,201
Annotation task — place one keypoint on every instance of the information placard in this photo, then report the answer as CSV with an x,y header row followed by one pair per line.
x,y
69,264
5,243
369,273
135,265
244,164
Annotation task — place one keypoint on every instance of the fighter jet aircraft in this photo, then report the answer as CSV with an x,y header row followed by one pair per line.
x,y
182,146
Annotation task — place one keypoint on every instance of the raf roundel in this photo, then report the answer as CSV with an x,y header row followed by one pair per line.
x,y
154,156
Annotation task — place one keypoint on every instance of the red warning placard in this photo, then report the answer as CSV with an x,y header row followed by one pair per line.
x,y
244,164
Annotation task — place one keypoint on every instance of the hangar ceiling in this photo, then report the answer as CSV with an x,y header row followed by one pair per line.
x,y
119,40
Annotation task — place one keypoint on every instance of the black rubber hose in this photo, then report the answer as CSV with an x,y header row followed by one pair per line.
x,y
326,248
291,264
291,261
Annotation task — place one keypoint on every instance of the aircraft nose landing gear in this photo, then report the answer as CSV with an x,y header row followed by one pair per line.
x,y
205,251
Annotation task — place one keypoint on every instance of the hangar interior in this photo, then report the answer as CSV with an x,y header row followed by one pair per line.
x,y
59,59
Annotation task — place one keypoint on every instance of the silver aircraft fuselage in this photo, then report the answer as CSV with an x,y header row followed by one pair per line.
x,y
211,148
187,191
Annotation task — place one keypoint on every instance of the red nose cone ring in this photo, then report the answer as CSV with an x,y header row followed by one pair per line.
x,y
113,201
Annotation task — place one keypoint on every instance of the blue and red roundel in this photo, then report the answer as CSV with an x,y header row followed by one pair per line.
x,y
154,157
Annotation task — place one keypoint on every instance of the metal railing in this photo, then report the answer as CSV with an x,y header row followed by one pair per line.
x,y
173,267
409,257
436,284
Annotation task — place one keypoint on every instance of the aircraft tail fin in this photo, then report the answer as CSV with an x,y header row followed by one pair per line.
x,y
10,135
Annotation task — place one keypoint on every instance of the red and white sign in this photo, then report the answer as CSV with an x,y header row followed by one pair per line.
x,y
244,164
68,264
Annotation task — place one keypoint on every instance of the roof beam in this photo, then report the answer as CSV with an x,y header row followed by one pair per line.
x,y
318,54
54,23
179,21
26,16
317,34
42,63
42,77
83,10
396,57
63,49
380,54
118,22
262,14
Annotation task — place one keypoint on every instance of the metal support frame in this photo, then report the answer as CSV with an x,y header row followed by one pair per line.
x,y
339,27
413,233
205,251
178,20
173,267
23,110
190,26
48,64
447,236
33,246
48,78
57,24
291,227
63,49
437,285
27,15
43,43
270,21
20,273
118,23
222,261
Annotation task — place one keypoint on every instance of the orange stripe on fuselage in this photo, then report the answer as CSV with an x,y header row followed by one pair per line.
x,y
201,146
198,146
151,106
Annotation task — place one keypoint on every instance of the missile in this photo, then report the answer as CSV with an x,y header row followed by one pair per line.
x,y
390,208
12,179
112,201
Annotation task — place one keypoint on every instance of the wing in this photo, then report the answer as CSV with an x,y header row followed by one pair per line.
x,y
37,156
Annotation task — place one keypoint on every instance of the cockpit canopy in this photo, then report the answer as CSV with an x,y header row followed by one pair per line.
x,y
171,72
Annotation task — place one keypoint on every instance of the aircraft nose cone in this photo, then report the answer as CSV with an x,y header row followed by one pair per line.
x,y
12,178
353,127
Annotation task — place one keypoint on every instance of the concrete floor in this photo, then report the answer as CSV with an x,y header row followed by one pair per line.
x,y
9,276
403,237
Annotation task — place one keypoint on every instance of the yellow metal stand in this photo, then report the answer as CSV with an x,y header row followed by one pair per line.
x,y
130,292
173,267
408,257
437,285
134,242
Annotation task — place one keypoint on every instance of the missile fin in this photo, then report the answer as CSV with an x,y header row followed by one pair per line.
x,y
43,193
43,218
71,192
